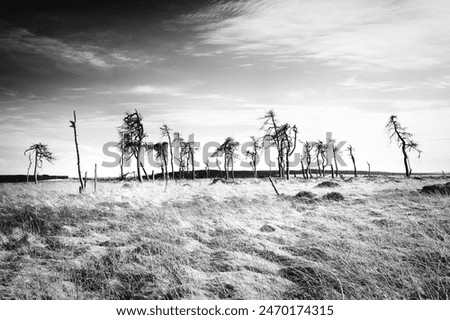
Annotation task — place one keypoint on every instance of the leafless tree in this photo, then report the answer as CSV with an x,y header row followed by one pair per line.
x,y
191,149
41,153
287,135
254,153
272,135
318,146
323,149
308,147
228,150
404,141
132,138
183,153
165,132
336,153
73,124
161,154
351,151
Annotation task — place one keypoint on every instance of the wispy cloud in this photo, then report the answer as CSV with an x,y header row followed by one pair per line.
x,y
355,34
382,86
440,83
65,55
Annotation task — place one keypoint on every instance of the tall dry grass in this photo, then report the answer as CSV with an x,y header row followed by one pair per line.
x,y
235,241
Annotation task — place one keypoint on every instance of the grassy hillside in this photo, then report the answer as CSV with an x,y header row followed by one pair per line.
x,y
224,241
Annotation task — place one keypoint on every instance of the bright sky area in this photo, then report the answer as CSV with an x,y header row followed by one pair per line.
x,y
213,68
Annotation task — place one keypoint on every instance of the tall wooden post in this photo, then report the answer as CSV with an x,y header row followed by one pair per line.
x,y
85,179
95,178
73,124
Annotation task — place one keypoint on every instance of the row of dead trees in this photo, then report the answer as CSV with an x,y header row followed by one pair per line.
x,y
281,136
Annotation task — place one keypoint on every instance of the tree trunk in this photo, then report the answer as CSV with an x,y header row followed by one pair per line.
x,y
335,163
138,169
171,155
226,166
74,126
35,166
193,164
274,187
95,178
405,160
303,170
354,166
145,172
405,155
287,166
332,171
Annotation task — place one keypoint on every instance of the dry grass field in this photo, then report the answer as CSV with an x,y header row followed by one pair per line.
x,y
384,240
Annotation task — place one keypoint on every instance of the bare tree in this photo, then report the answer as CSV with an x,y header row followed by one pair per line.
x,y
228,150
287,135
73,124
336,152
165,132
41,153
404,141
351,150
308,147
270,127
254,153
132,135
161,155
323,149
191,149
182,152
318,145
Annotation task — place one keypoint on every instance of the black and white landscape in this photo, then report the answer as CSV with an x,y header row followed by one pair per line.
x,y
245,149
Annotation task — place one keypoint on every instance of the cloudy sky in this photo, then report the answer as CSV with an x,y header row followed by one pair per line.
x,y
212,68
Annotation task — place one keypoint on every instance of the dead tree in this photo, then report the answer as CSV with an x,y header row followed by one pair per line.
x,y
182,152
95,178
254,154
227,149
161,155
73,124
351,150
323,150
302,159
206,169
191,149
287,136
271,127
368,164
165,132
404,141
318,146
132,135
308,147
41,153
336,152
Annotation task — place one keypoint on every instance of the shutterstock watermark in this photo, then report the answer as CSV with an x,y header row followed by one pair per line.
x,y
206,155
